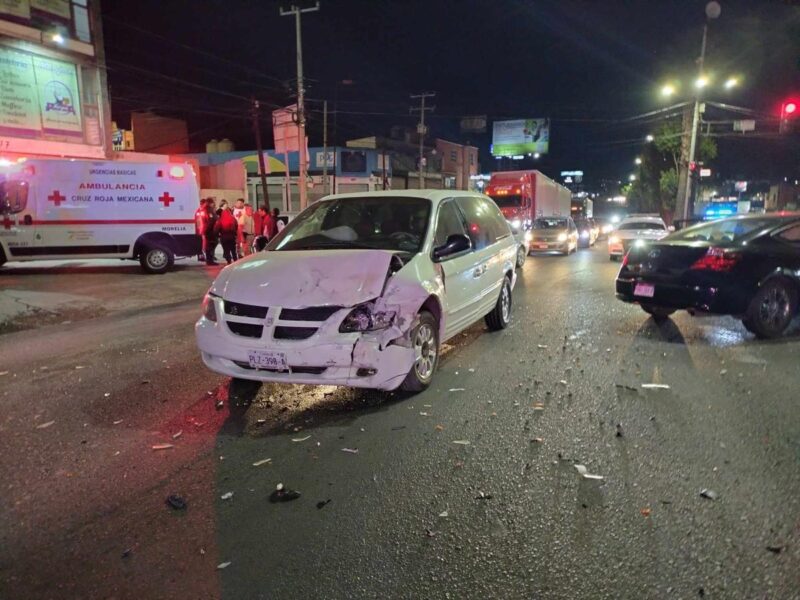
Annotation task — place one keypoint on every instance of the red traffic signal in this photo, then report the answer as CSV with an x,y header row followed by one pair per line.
x,y
790,109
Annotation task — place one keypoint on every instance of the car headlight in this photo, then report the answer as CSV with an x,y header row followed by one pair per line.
x,y
210,307
562,237
613,239
364,318
528,236
515,224
639,243
607,229
584,234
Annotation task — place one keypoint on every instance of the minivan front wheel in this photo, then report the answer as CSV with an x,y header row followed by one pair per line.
x,y
500,316
425,343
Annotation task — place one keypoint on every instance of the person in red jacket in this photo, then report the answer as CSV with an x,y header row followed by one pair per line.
x,y
227,228
200,224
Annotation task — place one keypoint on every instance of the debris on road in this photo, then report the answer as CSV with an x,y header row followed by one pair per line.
x,y
471,370
302,439
483,496
226,496
444,514
118,421
281,494
322,503
127,552
350,450
220,404
223,565
538,406
176,502
563,382
2,373
439,428
645,511
541,346
655,386
430,533
461,442
537,440
106,395
424,414
264,461
163,446
619,430
178,434
398,428
723,372
775,549
79,367
710,494
585,473
457,390
45,425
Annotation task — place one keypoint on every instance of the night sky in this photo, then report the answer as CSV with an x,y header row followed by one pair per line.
x,y
587,65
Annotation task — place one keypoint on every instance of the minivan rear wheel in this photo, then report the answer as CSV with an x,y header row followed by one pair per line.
x,y
425,343
500,316
521,256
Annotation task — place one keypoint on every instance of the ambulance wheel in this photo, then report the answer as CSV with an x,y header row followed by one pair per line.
x,y
156,259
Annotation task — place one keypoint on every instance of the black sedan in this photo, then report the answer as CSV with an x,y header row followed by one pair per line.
x,y
746,266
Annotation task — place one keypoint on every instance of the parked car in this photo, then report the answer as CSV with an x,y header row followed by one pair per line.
x,y
747,266
361,290
635,230
554,234
587,232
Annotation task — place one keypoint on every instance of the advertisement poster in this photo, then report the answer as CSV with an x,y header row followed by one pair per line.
x,y
57,83
520,136
16,8
59,8
19,100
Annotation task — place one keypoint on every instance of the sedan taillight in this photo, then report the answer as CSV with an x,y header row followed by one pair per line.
x,y
716,259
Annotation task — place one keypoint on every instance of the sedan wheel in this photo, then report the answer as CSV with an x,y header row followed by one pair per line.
x,y
771,310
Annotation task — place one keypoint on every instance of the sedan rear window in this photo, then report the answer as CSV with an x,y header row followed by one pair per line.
x,y
725,230
549,223
641,225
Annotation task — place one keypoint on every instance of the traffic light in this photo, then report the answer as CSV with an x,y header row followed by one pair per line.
x,y
790,110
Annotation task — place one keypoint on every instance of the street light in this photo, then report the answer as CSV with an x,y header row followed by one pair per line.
x,y
649,138
638,160
631,177
701,82
668,90
536,155
732,82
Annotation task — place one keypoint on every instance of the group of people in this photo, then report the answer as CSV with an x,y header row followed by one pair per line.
x,y
235,228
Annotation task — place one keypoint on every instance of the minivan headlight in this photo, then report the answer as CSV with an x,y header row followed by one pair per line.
x,y
562,237
210,307
364,317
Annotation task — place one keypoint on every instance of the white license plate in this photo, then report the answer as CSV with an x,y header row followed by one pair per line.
x,y
263,359
645,290
541,245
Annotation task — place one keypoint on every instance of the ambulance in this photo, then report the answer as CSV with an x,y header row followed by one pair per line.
x,y
57,209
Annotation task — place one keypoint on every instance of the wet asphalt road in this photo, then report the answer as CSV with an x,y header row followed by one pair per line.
x,y
84,516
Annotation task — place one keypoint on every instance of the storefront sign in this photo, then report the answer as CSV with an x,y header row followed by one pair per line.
x,y
60,8
58,96
16,8
19,101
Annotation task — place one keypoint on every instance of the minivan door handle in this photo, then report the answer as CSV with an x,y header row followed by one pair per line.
x,y
479,270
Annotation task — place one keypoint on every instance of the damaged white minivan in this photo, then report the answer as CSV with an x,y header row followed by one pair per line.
x,y
361,290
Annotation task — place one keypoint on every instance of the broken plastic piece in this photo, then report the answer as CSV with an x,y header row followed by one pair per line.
x,y
645,511
439,428
162,446
282,494
226,496
45,425
302,439
537,440
483,496
443,515
541,346
775,549
220,404
178,434
424,414
176,502
430,533
585,473
322,503
655,386
223,565
461,442
350,450
264,461
457,390
118,421
538,406
710,494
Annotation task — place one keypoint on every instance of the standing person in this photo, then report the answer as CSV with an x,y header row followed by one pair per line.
x,y
200,221
279,224
227,229
268,228
258,220
238,211
210,232
246,230
223,204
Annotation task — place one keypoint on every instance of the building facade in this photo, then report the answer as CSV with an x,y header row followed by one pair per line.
x,y
53,90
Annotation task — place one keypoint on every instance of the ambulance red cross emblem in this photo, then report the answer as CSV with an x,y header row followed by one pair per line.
x,y
166,199
56,198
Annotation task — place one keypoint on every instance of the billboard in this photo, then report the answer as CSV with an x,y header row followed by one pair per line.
x,y
520,136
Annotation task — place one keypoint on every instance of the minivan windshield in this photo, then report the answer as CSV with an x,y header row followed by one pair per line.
x,y
510,200
542,223
376,222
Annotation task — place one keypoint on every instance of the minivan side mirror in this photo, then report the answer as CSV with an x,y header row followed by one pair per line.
x,y
455,244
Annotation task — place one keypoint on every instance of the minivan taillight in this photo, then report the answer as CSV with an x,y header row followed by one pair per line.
x,y
625,260
716,259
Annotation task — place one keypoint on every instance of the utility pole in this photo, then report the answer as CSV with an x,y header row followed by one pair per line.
x,y
421,129
262,171
301,111
325,147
